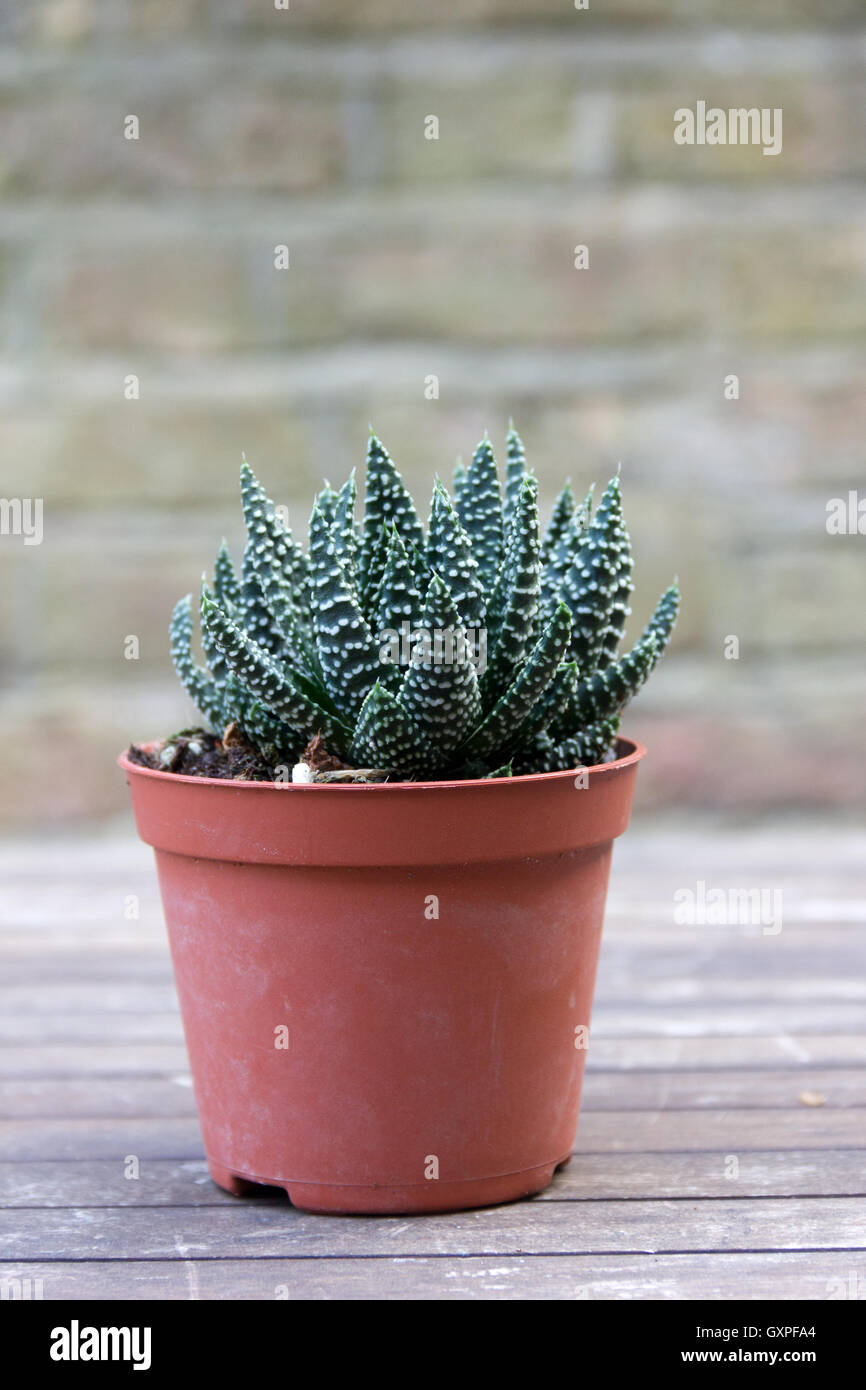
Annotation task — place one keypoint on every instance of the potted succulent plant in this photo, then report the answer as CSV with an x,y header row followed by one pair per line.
x,y
384,861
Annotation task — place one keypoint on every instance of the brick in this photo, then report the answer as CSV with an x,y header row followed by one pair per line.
x,y
66,736
60,139
789,286
126,570
519,124
317,112
188,298
411,279
59,22
754,736
154,453
377,16
661,264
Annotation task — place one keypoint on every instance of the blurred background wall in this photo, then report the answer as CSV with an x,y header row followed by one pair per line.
x,y
409,258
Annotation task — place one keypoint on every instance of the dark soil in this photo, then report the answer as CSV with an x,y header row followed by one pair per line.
x,y
196,753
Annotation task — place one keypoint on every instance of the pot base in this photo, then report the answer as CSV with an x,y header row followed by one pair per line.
x,y
342,1199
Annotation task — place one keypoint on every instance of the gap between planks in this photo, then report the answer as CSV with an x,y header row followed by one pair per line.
x,y
816,1275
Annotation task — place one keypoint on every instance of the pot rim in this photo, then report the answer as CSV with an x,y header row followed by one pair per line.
x,y
635,752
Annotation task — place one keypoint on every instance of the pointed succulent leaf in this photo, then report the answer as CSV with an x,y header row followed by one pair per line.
x,y
552,710
274,739
397,598
268,680
663,620
440,691
515,599
515,471
458,483
584,751
559,562
214,658
204,692
326,501
560,517
449,554
420,568
591,585
606,693
386,737
505,719
622,587
253,613
343,525
595,743
347,651
480,511
398,607
271,543
293,642
225,581
387,502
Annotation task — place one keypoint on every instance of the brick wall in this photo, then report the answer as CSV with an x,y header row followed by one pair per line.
x,y
453,257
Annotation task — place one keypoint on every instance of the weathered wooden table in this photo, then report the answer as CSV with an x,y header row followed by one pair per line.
x,y
722,1145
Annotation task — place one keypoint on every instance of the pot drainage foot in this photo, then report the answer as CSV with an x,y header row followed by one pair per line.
x,y
420,1197
238,1186
349,1200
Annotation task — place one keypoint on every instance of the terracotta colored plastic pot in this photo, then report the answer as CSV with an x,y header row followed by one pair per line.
x,y
386,989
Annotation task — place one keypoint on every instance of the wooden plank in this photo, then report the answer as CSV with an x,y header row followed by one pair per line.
x,y
46,945
72,970
733,968
719,1020
52,1009
103,1097
38,1139
689,1090
108,997
618,985
113,1097
543,1228
784,1053
731,1131
90,1029
777,1276
589,1177
768,1173
115,1060
630,1131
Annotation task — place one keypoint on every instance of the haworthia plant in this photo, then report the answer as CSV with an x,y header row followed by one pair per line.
x,y
472,649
